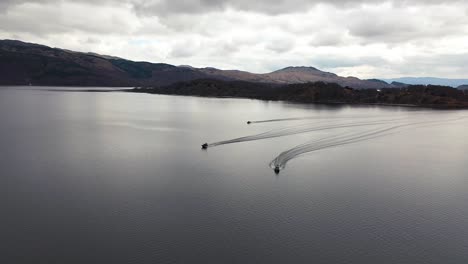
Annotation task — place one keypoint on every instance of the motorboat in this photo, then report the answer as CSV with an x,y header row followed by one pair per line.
x,y
277,169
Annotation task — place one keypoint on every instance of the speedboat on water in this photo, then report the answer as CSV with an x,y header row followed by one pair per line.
x,y
277,169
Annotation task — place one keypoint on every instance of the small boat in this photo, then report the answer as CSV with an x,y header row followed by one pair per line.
x,y
277,169
204,146
248,122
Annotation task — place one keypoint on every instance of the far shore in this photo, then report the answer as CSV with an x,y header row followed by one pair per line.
x,y
155,91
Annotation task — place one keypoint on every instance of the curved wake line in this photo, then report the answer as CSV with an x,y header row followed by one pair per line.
x,y
281,160
282,119
314,117
333,141
298,130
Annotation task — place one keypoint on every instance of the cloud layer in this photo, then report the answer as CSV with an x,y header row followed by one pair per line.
x,y
364,38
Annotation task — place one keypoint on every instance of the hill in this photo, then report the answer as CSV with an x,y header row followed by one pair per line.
x,y
302,74
318,92
27,63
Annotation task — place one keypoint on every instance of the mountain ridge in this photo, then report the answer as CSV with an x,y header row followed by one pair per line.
x,y
429,80
23,63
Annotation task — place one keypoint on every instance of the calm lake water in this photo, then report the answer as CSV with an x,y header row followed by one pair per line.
x,y
121,178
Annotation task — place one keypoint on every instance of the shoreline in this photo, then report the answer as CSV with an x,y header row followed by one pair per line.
x,y
433,107
324,102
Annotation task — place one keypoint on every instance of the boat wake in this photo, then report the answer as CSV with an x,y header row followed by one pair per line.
x,y
304,128
312,118
373,129
282,159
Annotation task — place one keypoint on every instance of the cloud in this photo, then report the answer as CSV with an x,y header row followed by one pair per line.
x,y
328,39
183,49
366,38
66,17
271,7
330,62
399,25
280,45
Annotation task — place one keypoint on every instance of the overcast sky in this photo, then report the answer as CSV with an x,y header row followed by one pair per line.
x,y
363,38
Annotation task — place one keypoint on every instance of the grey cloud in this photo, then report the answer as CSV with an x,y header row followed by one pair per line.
x,y
223,49
91,40
399,25
5,5
280,45
441,65
69,17
328,39
447,60
181,52
383,29
184,49
333,61
243,34
272,7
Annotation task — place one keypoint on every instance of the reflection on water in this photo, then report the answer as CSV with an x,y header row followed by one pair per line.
x,y
121,178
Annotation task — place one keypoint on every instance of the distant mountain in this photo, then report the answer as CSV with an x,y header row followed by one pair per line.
x,y
429,80
377,81
300,74
399,84
26,63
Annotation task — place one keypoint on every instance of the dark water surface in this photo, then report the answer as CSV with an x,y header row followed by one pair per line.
x,y
120,178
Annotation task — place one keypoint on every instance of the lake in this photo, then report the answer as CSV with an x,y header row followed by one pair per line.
x,y
91,177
